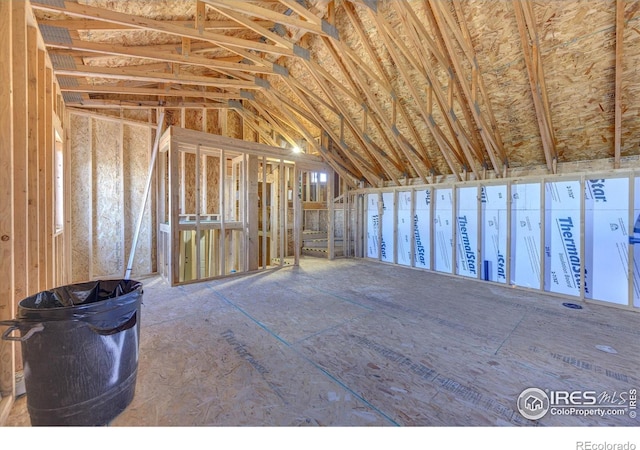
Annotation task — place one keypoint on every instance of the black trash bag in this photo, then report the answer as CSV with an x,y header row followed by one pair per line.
x,y
104,304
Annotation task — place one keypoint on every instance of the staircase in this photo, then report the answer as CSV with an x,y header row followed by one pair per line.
x,y
316,243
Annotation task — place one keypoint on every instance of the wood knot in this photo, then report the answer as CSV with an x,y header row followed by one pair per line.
x,y
5,237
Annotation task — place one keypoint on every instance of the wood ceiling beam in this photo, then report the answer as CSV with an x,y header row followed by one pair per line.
x,y
312,94
267,14
251,25
530,46
98,25
273,122
302,12
463,148
143,104
418,36
347,176
351,70
398,106
477,87
119,73
156,55
358,83
176,49
255,122
620,25
126,90
488,131
365,169
383,80
396,47
355,130
228,42
297,109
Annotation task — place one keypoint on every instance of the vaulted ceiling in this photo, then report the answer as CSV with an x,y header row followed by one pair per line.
x,y
385,91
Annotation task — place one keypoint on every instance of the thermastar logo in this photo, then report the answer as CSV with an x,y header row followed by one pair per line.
x,y
597,190
466,245
571,250
420,251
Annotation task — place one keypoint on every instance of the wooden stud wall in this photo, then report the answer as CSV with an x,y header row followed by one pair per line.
x,y
7,302
109,159
30,108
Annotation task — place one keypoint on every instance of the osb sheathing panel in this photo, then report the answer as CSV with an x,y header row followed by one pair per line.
x,y
193,119
141,115
498,49
234,125
630,85
108,239
212,121
580,76
107,186
136,166
80,196
173,117
213,184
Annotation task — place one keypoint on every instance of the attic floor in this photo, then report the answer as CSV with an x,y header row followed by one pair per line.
x,y
361,343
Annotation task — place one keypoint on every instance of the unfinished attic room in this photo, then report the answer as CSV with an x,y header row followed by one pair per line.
x,y
333,213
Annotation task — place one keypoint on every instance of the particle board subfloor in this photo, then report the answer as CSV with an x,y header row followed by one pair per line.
x,y
361,343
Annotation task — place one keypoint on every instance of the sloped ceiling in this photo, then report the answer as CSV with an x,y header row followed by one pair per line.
x,y
385,91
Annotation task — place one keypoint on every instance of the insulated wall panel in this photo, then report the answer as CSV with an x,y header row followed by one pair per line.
x,y
562,237
373,224
388,224
467,231
607,240
494,233
422,229
404,227
443,230
525,235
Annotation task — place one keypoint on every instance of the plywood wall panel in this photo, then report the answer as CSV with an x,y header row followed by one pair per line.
x,y
80,196
108,239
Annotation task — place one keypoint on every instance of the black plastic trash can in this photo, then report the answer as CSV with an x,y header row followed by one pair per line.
x,y
80,347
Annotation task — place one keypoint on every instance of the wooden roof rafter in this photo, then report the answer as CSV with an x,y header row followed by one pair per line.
x,y
277,126
119,73
96,25
144,91
252,121
358,84
348,177
531,50
620,26
132,103
171,57
446,24
230,43
253,10
421,166
355,130
442,141
465,142
383,80
364,166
